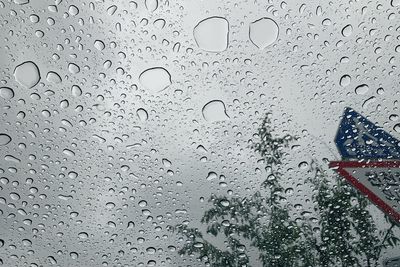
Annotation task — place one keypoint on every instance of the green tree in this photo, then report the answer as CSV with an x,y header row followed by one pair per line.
x,y
345,234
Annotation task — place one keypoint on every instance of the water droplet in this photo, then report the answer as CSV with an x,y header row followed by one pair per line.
x,y
211,176
4,139
99,45
289,191
142,114
159,23
110,205
263,32
362,89
151,5
76,90
73,10
73,68
74,255
345,80
198,245
224,203
303,165
166,163
131,225
347,30
107,64
68,152
64,103
212,34
215,111
14,196
72,175
155,79
53,77
12,159
27,74
21,2
52,260
142,203
397,127
6,93
111,224
83,235
111,10
395,3
368,102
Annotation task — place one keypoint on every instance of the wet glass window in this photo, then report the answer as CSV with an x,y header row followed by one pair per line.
x,y
199,133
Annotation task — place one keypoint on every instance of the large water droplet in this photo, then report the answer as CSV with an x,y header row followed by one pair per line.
x,y
397,127
211,176
142,203
21,2
155,79
211,34
73,10
99,45
166,163
83,235
347,30
76,90
27,74
6,93
73,68
74,255
142,114
151,5
345,80
4,139
395,2
263,32
215,111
